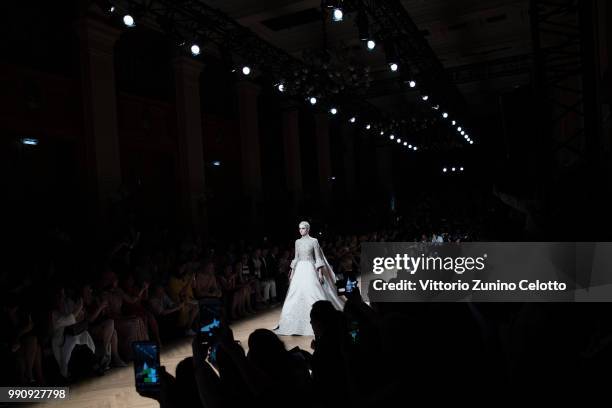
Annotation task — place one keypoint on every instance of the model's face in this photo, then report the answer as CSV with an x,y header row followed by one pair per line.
x,y
303,230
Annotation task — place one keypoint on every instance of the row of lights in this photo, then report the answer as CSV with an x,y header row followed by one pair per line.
x,y
454,123
399,141
452,169
353,119
194,48
337,15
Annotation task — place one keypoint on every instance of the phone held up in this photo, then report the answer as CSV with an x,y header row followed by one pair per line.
x,y
209,325
146,367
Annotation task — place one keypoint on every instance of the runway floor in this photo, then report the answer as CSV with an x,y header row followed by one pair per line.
x,y
116,388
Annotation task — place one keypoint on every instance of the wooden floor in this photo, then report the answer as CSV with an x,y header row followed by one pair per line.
x,y
116,388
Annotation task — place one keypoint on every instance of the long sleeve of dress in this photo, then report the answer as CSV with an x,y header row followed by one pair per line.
x,y
295,256
319,262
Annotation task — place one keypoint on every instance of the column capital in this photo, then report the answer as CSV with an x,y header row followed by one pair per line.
x,y
97,35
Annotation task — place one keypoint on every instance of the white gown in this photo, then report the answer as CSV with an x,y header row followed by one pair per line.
x,y
305,288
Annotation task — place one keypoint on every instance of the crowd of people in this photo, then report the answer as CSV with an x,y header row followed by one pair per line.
x,y
68,320
146,287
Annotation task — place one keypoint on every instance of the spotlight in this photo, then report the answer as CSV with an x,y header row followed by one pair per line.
x,y
410,146
392,137
28,141
444,170
460,168
333,111
454,122
399,141
467,137
436,107
462,133
333,178
445,115
425,97
382,132
216,163
313,100
337,15
128,21
353,119
471,142
459,129
246,70
195,49
412,84
391,54
280,87
107,6
453,169
405,143
414,148
368,126
371,44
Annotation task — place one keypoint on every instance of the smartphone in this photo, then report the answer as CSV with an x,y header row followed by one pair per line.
x,y
347,287
210,319
146,366
212,353
350,285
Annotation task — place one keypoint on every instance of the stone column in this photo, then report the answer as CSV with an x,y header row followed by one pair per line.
x,y
324,158
189,134
293,159
101,141
252,186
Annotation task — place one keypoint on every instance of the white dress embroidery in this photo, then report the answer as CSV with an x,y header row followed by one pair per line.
x,y
305,288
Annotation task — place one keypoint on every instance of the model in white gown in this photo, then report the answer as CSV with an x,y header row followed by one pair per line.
x,y
312,279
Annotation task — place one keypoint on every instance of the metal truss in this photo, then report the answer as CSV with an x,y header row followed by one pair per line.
x,y
193,20
417,59
566,81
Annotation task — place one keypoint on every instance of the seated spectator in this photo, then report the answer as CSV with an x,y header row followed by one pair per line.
x,y
180,290
19,342
66,333
129,300
270,274
329,371
237,296
288,375
205,284
168,313
129,327
100,327
248,278
265,285
246,307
